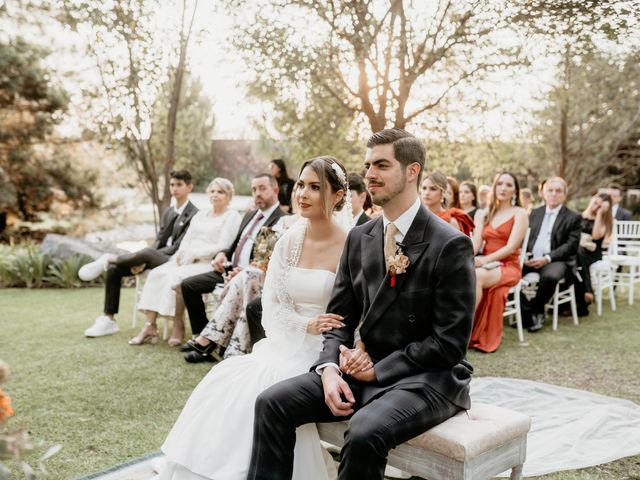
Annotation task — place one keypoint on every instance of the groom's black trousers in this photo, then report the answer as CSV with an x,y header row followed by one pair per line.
x,y
385,422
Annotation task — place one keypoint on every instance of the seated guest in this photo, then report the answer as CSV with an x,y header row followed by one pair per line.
x,y
468,196
483,196
174,224
553,243
434,197
526,199
615,191
596,225
278,169
228,329
501,228
453,192
360,199
264,190
211,231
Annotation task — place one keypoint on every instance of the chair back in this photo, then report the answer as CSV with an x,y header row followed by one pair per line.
x,y
523,248
626,238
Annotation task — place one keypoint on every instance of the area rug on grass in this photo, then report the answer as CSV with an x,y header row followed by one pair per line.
x,y
570,428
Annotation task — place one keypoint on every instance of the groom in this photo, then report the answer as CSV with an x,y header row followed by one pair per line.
x,y
415,325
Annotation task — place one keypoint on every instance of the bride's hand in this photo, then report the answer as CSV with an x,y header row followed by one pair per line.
x,y
354,360
323,323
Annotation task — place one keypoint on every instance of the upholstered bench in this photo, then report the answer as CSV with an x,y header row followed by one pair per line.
x,y
478,444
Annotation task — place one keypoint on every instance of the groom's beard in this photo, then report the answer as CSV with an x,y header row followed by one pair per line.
x,y
391,190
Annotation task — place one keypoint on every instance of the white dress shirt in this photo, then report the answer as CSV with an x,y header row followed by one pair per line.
x,y
178,213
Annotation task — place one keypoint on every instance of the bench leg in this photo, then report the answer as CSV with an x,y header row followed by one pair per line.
x,y
516,472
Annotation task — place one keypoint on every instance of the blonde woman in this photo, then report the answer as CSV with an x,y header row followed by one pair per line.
x,y
210,231
435,197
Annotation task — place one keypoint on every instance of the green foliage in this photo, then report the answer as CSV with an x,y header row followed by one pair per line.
x,y
194,131
63,272
25,265
30,106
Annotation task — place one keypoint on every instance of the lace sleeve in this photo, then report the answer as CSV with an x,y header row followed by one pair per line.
x,y
279,317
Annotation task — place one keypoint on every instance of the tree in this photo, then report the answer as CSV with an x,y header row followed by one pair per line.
x,y
136,63
584,133
576,138
30,106
384,62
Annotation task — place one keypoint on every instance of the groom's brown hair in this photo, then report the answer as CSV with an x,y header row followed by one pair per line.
x,y
406,148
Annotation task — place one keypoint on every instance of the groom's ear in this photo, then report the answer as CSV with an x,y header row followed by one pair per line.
x,y
413,171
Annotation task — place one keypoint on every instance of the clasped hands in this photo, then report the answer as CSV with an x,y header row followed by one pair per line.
x,y
537,262
218,264
354,362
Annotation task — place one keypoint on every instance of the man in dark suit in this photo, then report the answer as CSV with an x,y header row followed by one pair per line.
x,y
415,325
360,199
173,226
553,244
616,191
264,189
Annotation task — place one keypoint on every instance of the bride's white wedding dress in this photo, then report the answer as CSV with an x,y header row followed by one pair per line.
x,y
212,438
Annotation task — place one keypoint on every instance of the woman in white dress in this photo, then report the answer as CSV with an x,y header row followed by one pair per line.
x,y
210,231
212,438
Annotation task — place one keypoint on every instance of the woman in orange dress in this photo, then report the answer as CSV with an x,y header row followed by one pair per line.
x,y
496,242
434,196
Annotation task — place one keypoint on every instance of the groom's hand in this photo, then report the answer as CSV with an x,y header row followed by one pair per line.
x,y
336,391
354,360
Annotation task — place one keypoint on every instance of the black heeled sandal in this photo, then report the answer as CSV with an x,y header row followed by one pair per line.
x,y
199,354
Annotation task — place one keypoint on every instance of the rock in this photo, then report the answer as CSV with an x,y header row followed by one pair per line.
x,y
61,246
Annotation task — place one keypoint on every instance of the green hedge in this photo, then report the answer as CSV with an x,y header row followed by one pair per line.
x,y
25,265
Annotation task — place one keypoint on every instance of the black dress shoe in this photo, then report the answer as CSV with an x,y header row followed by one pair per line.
x,y
537,322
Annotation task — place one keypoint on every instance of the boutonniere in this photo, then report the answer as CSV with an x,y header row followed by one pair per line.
x,y
397,265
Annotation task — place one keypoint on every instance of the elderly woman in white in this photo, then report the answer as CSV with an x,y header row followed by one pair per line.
x,y
211,231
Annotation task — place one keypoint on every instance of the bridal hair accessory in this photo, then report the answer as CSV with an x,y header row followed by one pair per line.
x,y
398,265
341,175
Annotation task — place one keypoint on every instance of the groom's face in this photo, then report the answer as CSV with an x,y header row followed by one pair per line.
x,y
386,176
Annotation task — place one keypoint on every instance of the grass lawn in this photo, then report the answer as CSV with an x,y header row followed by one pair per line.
x,y
107,402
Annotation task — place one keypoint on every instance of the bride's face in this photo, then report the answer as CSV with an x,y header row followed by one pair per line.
x,y
309,193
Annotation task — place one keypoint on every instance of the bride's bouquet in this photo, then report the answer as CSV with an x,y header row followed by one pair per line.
x,y
263,246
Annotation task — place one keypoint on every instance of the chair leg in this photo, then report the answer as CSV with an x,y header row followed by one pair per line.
x,y
574,307
612,295
632,281
555,308
519,317
516,472
598,291
134,318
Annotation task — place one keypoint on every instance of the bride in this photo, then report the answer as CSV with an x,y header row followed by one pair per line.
x,y
212,438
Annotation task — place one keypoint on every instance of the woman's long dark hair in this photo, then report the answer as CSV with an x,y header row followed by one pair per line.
x,y
283,170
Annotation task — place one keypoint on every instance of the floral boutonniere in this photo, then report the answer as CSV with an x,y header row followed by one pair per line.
x,y
397,265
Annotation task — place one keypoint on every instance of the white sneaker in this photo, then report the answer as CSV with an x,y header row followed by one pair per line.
x,y
93,270
103,326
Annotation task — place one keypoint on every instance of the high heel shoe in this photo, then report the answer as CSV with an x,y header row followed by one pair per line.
x,y
149,334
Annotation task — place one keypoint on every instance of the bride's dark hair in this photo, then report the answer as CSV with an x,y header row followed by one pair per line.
x,y
323,166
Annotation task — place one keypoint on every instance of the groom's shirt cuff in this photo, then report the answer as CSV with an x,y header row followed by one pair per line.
x,y
320,368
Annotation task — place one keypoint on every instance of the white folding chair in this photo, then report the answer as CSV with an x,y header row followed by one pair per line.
x,y
568,295
512,306
602,273
625,253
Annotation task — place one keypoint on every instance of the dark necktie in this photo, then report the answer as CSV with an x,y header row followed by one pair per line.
x,y
236,253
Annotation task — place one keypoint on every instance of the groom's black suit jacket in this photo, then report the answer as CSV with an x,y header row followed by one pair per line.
x,y
417,331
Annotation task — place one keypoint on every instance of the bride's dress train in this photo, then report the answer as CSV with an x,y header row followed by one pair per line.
x,y
212,438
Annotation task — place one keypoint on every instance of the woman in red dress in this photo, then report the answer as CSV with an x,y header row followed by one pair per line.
x,y
496,242
434,196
